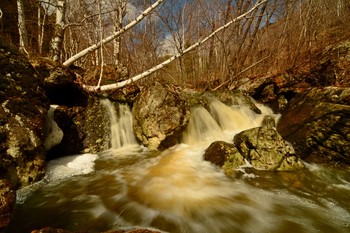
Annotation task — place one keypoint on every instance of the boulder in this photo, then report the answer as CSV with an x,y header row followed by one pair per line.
x,y
225,155
85,128
7,202
59,83
160,116
23,112
262,147
317,123
265,149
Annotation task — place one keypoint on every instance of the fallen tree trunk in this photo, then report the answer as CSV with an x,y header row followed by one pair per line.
x,y
161,65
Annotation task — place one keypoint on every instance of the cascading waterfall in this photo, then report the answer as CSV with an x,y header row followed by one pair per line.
x,y
177,191
122,133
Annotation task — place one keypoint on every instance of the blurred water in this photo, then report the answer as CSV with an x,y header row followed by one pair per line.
x,y
177,191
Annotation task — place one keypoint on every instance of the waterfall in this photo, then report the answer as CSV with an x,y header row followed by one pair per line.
x,y
222,122
122,133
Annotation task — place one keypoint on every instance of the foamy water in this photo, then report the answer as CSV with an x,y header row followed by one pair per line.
x,y
177,191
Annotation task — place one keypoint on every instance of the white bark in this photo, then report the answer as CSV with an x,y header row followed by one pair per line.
x,y
57,40
23,35
92,48
161,65
121,7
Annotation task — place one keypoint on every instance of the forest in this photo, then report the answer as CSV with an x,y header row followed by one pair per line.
x,y
273,36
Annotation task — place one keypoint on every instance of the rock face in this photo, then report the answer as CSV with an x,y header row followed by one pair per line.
x,y
160,115
265,149
23,111
59,83
7,202
85,128
262,147
318,124
330,68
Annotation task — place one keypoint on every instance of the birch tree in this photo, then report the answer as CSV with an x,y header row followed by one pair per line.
x,y
57,41
23,34
110,38
161,65
120,13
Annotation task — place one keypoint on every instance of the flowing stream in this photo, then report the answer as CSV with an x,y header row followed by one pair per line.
x,y
177,191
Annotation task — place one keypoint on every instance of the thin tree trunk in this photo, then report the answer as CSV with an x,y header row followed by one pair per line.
x,y
121,5
92,48
57,41
23,35
161,65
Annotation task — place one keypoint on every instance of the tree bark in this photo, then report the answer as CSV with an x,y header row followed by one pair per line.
x,y
57,41
23,34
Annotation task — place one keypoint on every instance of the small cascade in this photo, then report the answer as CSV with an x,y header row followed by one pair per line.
x,y
222,122
202,128
236,119
122,133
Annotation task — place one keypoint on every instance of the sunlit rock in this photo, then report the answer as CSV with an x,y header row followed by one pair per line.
x,y
265,149
317,123
23,112
224,155
160,116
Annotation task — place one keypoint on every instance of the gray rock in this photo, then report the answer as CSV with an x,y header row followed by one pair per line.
x,y
23,112
265,149
317,123
160,116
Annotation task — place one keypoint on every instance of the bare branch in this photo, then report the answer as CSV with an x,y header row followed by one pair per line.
x,y
86,51
161,65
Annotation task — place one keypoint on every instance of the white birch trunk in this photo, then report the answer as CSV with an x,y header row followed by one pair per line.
x,y
121,6
23,35
57,40
161,65
92,48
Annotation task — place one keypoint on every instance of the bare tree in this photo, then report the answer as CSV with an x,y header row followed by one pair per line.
x,y
161,65
23,34
93,47
57,41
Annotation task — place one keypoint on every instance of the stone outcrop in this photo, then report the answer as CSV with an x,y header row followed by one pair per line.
x,y
262,147
330,68
59,83
160,115
265,149
85,128
317,123
23,111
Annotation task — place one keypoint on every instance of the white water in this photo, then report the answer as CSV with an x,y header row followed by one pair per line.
x,y
122,133
176,191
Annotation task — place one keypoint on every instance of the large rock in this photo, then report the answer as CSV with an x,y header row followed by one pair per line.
x,y
23,111
318,124
86,129
225,155
7,202
265,149
59,83
160,115
262,147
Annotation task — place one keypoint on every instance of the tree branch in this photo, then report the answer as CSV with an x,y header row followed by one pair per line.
x,y
86,51
161,65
